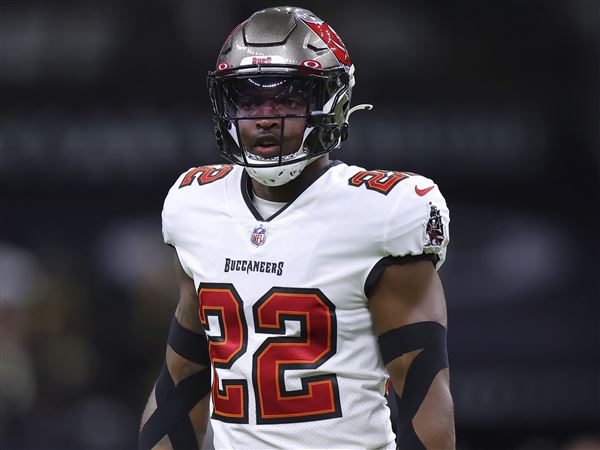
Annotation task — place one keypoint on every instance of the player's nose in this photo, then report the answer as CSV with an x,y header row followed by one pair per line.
x,y
268,123
268,108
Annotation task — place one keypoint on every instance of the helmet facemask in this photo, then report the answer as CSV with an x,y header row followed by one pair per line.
x,y
273,103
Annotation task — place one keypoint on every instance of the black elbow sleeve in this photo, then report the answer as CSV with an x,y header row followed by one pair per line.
x,y
188,344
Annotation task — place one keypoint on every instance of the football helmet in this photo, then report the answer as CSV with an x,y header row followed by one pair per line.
x,y
281,69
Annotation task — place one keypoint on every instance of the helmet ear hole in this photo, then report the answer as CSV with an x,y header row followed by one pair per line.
x,y
344,131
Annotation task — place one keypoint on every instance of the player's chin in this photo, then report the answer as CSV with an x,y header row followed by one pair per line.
x,y
270,151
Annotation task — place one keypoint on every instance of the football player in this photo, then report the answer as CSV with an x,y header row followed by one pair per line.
x,y
305,283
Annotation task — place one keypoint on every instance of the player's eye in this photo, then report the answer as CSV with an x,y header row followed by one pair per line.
x,y
292,102
247,103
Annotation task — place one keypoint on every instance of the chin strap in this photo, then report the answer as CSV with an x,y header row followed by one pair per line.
x,y
364,106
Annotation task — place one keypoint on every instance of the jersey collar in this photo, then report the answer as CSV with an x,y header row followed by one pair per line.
x,y
247,194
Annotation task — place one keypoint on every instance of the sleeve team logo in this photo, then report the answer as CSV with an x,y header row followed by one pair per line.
x,y
433,237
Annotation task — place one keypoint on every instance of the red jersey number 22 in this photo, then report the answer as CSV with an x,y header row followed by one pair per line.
x,y
318,397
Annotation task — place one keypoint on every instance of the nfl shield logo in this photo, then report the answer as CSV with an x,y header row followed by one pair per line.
x,y
259,235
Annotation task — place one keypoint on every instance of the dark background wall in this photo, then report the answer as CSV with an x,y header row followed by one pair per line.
x,y
103,104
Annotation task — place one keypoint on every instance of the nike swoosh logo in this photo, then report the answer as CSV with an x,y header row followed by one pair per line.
x,y
422,192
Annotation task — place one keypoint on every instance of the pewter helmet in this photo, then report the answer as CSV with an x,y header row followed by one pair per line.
x,y
283,51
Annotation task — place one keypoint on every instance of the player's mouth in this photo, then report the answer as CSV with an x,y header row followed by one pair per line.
x,y
266,146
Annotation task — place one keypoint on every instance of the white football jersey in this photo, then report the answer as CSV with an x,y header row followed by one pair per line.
x,y
284,303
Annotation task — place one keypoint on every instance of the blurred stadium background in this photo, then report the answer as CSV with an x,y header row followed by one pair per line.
x,y
103,104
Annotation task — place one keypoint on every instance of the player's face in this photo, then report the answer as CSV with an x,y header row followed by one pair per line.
x,y
260,110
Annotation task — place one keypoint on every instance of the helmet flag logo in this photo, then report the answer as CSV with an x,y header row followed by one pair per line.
x,y
333,41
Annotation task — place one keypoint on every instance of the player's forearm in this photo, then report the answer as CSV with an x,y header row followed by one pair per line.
x,y
148,409
164,443
416,359
198,416
434,421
